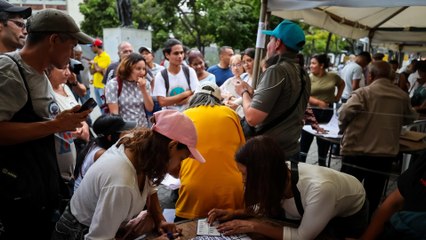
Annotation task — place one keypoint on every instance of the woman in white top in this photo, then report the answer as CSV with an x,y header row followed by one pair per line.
x,y
66,152
331,200
230,96
110,200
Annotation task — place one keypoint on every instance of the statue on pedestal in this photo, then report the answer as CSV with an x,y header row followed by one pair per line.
x,y
124,8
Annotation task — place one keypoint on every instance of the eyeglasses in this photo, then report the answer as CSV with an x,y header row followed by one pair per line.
x,y
18,23
236,65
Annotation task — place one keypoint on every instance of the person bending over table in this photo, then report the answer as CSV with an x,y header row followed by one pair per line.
x,y
217,183
331,200
108,203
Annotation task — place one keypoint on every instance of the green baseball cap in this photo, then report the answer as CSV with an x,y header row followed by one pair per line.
x,y
289,33
56,21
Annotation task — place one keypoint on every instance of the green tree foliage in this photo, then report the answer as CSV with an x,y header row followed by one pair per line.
x,y
316,41
197,23
98,14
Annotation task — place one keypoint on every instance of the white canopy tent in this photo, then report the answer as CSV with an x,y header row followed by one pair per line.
x,y
398,22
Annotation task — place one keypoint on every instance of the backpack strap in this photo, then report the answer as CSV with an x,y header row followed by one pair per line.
x,y
296,193
165,76
186,72
286,113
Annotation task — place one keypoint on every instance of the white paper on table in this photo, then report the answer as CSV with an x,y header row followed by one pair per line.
x,y
207,232
171,182
204,228
332,127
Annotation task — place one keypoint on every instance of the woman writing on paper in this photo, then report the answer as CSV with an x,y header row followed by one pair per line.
x,y
328,199
110,200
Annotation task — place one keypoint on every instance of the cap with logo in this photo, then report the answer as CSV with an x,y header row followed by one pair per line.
x,y
25,12
97,42
177,126
143,48
56,21
203,88
289,33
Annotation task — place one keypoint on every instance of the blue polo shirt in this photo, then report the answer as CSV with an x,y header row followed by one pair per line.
x,y
222,74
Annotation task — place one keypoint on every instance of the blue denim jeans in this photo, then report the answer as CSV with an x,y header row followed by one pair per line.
x,y
98,93
69,228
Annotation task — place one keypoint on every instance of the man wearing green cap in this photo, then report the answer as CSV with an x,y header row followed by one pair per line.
x,y
277,106
29,118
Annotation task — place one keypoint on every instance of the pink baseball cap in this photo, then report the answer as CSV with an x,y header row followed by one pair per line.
x,y
177,126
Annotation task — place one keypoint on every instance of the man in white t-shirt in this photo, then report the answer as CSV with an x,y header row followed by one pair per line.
x,y
181,82
353,73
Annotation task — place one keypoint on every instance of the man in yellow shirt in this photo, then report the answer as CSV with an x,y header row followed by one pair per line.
x,y
98,66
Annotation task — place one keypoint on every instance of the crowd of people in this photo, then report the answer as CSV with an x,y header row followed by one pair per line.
x,y
67,176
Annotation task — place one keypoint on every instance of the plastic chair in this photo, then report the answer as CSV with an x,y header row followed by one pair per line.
x,y
417,126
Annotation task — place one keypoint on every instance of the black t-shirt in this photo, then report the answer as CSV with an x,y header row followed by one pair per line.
x,y
412,186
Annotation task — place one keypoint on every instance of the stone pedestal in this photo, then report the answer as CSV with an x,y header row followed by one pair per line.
x,y
114,36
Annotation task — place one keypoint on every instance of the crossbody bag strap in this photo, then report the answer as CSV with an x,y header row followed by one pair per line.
x,y
285,114
21,72
296,193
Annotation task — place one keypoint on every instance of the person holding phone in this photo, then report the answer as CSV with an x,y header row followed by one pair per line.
x,y
29,118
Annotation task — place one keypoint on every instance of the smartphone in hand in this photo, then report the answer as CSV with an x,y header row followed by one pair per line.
x,y
90,104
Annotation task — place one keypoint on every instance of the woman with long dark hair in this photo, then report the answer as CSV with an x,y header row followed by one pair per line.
x,y
328,199
110,200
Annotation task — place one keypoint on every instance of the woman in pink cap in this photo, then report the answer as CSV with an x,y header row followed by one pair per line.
x,y
110,200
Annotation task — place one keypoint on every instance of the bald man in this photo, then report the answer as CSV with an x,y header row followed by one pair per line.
x,y
371,122
124,49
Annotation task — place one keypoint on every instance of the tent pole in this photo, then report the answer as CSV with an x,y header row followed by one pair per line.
x,y
260,42
327,46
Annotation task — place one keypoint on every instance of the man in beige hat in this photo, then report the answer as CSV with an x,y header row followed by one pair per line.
x,y
29,118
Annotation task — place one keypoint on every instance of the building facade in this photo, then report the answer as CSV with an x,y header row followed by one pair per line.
x,y
70,6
